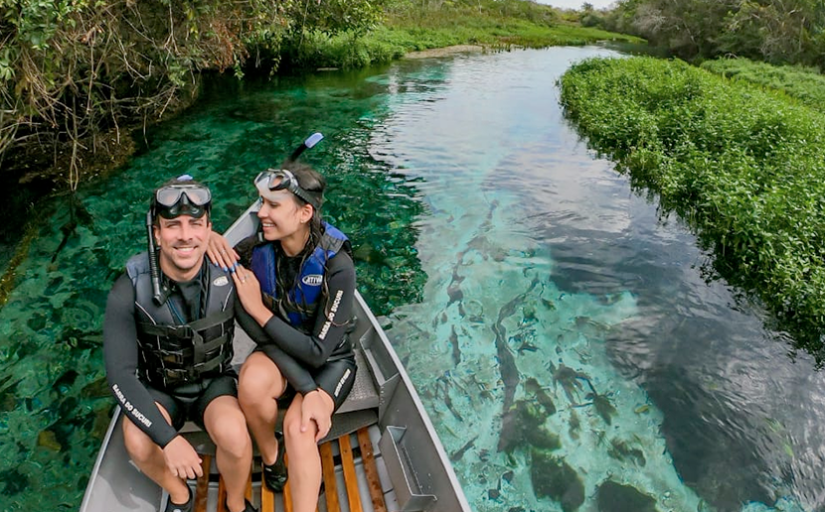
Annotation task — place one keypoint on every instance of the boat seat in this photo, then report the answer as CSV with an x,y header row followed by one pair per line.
x,y
342,458
359,409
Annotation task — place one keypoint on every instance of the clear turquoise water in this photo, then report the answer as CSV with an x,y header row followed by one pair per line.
x,y
516,268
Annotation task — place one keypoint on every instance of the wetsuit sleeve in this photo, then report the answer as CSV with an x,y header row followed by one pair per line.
x,y
120,352
295,373
331,322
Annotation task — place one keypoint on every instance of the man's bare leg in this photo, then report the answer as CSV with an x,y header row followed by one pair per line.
x,y
226,426
148,457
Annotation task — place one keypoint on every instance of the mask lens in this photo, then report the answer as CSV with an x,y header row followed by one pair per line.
x,y
198,196
168,196
171,195
266,179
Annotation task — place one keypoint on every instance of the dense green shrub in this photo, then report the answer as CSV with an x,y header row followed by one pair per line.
x,y
745,167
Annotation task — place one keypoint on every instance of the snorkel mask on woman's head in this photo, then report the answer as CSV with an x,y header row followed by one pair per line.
x,y
273,180
183,196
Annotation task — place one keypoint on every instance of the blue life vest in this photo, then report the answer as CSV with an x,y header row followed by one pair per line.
x,y
306,291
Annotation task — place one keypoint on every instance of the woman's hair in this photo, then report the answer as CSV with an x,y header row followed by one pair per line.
x,y
313,182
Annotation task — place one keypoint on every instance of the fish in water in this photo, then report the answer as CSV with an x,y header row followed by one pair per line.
x,y
447,400
455,457
570,381
604,407
549,304
533,386
456,346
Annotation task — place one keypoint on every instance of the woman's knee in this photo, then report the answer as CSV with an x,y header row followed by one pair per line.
x,y
292,426
259,380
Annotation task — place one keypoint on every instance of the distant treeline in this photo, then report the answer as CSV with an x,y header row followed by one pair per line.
x,y
775,31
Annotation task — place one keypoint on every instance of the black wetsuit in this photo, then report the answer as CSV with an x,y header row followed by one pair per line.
x,y
309,360
120,350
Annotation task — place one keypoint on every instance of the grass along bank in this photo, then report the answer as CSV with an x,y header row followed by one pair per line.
x,y
744,167
405,31
805,84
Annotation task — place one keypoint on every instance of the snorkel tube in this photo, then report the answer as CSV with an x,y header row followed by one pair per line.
x,y
159,294
312,140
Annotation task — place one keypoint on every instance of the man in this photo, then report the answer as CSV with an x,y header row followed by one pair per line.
x,y
168,346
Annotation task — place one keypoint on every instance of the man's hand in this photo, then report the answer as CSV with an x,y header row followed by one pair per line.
x,y
181,459
317,406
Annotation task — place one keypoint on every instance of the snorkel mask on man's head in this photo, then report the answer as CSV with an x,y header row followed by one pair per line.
x,y
182,196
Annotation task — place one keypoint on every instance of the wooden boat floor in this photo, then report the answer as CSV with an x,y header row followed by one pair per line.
x,y
354,476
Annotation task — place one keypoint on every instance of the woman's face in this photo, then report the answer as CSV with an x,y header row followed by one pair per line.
x,y
282,217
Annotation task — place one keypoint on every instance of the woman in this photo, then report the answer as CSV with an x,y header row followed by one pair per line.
x,y
295,283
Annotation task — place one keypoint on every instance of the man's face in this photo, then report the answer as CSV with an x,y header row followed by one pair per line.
x,y
182,242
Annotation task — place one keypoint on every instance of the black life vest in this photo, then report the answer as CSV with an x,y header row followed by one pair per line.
x,y
172,354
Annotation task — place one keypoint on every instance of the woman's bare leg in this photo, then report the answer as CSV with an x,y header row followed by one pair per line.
x,y
304,459
259,385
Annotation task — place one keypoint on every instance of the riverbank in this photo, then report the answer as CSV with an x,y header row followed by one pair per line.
x,y
744,166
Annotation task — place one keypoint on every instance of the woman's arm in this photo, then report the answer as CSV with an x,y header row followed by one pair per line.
x,y
294,372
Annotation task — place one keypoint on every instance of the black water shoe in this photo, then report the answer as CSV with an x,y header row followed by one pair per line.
x,y
186,507
247,508
275,475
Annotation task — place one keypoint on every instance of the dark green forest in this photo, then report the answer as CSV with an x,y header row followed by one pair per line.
x,y
773,31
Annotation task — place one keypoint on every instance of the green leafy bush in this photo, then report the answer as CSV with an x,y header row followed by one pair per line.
x,y
745,167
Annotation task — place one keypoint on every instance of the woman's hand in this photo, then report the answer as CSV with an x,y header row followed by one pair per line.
x,y
317,406
249,292
221,253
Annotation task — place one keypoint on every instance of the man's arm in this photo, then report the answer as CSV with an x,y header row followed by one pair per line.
x,y
120,352
331,322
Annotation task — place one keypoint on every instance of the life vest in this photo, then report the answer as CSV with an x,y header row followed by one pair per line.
x,y
171,353
306,292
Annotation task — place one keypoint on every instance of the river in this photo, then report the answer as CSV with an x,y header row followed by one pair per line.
x,y
571,345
